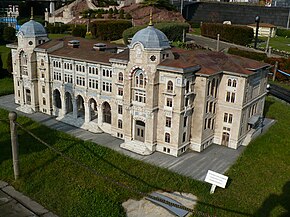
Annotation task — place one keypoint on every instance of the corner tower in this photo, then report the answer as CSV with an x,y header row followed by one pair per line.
x,y
30,35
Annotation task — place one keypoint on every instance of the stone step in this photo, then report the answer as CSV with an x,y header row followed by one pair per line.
x,y
136,147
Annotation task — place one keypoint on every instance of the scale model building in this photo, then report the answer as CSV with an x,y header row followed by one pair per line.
x,y
153,96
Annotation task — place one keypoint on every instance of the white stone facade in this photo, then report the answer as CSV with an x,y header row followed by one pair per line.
x,y
153,98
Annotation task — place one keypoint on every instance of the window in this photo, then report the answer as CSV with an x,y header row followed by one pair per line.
x,y
43,89
228,118
228,96
42,62
168,122
43,101
167,137
140,96
57,76
208,88
140,80
212,87
184,121
107,86
206,107
120,109
212,124
209,123
67,78
205,122
210,106
120,91
184,137
121,78
93,83
169,86
169,102
120,124
80,81
229,82
234,83
233,97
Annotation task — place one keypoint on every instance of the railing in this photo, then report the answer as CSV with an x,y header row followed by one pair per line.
x,y
15,155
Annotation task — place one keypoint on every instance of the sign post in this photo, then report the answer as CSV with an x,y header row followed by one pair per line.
x,y
215,179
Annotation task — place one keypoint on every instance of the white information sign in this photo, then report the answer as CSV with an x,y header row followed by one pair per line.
x,y
216,179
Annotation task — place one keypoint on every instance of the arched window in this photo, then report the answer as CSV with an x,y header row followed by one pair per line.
x,y
170,86
121,78
106,113
23,63
229,82
140,80
167,137
234,83
212,87
57,98
120,124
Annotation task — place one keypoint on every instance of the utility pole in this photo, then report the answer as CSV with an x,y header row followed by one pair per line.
x,y
218,43
14,143
275,70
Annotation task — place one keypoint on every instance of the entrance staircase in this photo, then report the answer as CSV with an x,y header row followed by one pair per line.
x,y
136,147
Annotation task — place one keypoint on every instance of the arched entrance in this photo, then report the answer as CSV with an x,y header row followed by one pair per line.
x,y
139,131
56,99
225,139
80,107
93,109
106,113
68,103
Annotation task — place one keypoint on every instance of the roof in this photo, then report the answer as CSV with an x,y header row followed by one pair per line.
x,y
151,38
262,25
84,52
211,62
32,29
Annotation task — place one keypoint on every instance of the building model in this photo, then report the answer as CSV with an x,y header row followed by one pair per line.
x,y
153,96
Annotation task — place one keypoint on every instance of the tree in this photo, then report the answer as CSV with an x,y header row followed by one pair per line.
x,y
1,65
121,14
9,34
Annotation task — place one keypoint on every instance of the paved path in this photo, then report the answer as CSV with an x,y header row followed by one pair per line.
x,y
192,164
15,204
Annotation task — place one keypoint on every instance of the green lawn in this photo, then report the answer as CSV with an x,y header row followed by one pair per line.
x,y
277,42
284,85
196,31
6,86
4,51
256,180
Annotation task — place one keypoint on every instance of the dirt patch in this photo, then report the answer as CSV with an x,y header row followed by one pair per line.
x,y
145,208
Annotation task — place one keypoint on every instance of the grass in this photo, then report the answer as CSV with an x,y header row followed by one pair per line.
x,y
6,86
277,42
196,31
4,51
281,84
259,180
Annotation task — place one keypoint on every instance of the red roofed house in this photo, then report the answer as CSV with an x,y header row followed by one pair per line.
x,y
155,97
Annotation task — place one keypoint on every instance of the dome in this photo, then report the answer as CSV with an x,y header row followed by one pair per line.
x,y
151,38
32,29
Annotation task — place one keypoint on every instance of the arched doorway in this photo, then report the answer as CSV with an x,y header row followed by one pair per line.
x,y
68,103
140,131
56,99
93,109
106,113
225,139
80,107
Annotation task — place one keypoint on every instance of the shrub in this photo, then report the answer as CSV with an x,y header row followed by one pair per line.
x,y
242,35
79,31
194,24
247,54
283,32
109,29
9,34
173,31
58,28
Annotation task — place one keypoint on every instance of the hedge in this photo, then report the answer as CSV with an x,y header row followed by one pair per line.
x,y
247,54
283,33
173,31
58,28
109,29
79,31
242,35
283,64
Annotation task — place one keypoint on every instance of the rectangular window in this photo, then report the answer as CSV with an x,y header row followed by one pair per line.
x,y
43,89
184,121
169,102
233,97
93,83
120,109
230,118
168,122
228,96
120,91
226,117
205,123
107,86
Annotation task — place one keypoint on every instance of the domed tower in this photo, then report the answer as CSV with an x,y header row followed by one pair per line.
x,y
30,35
147,49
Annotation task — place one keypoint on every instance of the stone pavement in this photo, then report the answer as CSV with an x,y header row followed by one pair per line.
x,y
15,204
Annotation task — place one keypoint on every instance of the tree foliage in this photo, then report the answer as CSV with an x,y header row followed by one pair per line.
x,y
9,63
159,4
9,34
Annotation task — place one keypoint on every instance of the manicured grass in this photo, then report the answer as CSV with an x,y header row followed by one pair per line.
x,y
278,42
260,179
70,190
256,180
282,84
4,51
6,86
196,31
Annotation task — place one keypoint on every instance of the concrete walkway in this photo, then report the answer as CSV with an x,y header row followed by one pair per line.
x,y
15,204
191,164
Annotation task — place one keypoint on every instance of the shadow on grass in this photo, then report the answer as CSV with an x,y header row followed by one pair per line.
x,y
274,201
267,106
123,171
